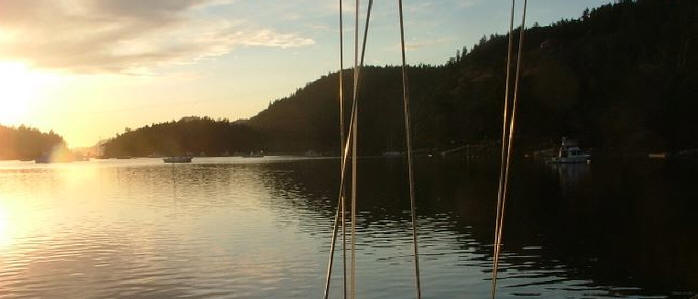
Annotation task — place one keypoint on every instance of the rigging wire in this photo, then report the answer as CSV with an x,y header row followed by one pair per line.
x,y
342,192
345,156
355,125
505,121
510,145
350,140
342,189
341,141
408,141
353,162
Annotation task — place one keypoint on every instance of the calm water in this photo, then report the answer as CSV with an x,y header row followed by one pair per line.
x,y
260,228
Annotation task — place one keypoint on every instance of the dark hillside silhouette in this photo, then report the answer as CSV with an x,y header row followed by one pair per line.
x,y
622,78
25,143
189,135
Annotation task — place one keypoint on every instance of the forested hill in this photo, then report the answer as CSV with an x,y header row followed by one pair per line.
x,y
24,143
621,77
190,136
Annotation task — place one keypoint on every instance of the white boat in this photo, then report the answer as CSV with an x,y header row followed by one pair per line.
x,y
570,152
392,154
177,160
253,154
312,154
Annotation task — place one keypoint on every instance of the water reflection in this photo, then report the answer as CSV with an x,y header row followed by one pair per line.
x,y
5,237
260,228
571,176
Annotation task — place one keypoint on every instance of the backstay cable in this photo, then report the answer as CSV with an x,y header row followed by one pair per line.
x,y
505,122
342,192
341,142
345,156
408,141
349,140
353,141
510,144
354,152
342,188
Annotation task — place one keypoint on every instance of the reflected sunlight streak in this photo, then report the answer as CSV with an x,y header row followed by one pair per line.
x,y
5,238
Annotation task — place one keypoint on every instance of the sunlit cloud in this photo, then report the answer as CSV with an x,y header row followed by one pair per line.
x,y
93,36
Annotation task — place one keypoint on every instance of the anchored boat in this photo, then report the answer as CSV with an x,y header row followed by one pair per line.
x,y
570,152
253,154
177,160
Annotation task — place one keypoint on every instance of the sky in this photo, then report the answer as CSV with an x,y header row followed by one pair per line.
x,y
88,69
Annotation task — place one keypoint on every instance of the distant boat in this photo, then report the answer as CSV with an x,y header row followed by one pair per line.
x,y
58,156
42,160
48,159
311,153
657,155
253,154
80,157
177,160
392,154
570,153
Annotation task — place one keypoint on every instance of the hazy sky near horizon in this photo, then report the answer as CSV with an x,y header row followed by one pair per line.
x,y
89,68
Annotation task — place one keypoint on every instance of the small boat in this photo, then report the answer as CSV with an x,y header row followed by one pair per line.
x,y
80,157
570,153
254,154
177,160
42,160
48,159
61,155
657,155
312,154
392,154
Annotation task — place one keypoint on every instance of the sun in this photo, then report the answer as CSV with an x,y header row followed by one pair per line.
x,y
20,88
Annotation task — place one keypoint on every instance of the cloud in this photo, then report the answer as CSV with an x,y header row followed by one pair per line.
x,y
98,36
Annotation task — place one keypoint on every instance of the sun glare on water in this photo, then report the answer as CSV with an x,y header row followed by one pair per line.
x,y
20,90
5,237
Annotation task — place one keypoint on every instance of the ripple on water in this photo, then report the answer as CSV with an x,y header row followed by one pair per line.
x,y
238,228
